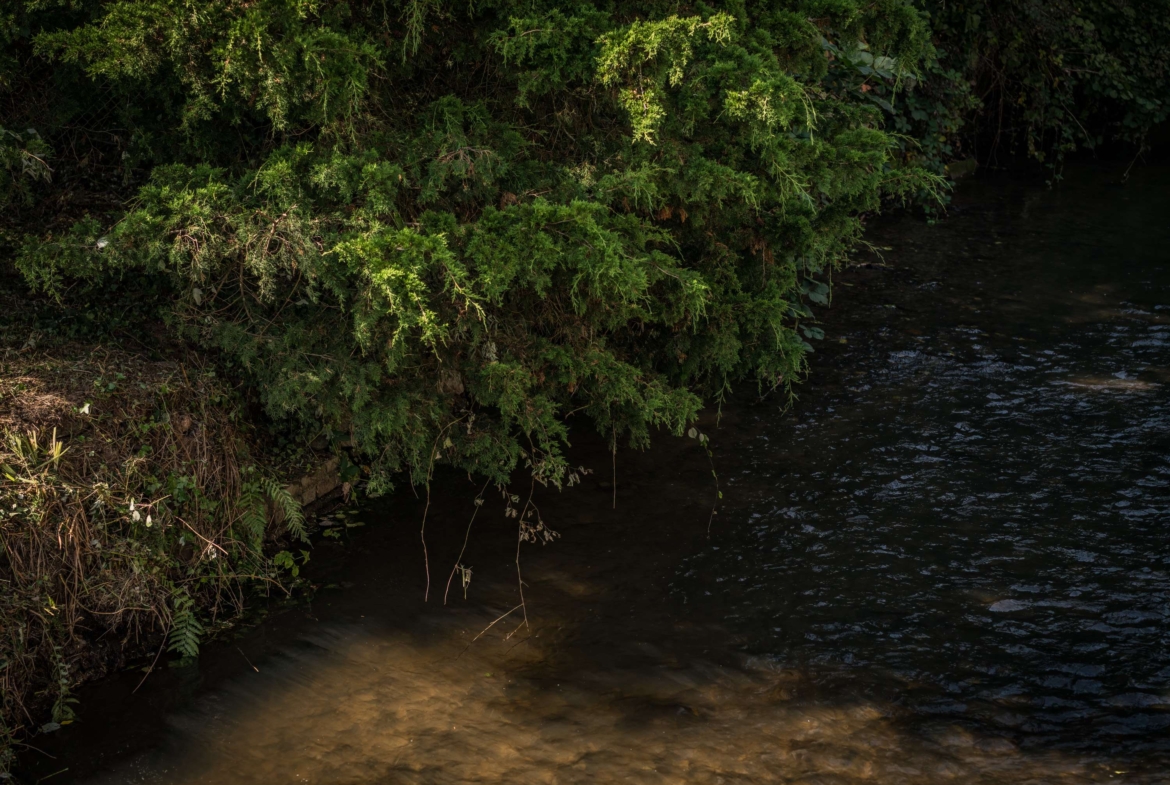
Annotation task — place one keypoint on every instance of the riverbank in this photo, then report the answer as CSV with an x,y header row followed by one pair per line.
x,y
139,508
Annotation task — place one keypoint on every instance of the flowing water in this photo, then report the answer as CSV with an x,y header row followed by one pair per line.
x,y
949,561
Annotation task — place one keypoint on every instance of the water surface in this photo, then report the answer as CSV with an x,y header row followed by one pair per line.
x,y
973,520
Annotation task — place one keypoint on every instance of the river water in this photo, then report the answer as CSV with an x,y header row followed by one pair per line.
x,y
948,561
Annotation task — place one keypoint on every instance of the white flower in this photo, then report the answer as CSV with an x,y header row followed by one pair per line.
x,y
85,409
148,521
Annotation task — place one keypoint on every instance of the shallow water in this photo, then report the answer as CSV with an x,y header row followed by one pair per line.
x,y
948,561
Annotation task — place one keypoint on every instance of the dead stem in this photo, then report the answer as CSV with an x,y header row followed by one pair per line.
x,y
613,450
245,656
519,540
466,537
485,629
718,492
422,535
150,670
423,528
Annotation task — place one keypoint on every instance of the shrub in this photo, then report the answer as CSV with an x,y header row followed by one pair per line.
x,y
442,230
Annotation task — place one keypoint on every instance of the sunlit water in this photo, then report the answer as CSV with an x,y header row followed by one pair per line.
x,y
947,562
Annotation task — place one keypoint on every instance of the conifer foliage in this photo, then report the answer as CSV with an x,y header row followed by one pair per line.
x,y
442,229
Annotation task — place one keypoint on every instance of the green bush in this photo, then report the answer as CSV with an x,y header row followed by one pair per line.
x,y
442,230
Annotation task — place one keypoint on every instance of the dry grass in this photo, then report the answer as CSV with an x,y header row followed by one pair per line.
x,y
119,486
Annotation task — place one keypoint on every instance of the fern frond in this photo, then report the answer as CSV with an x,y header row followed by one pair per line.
x,y
252,507
253,516
294,518
185,627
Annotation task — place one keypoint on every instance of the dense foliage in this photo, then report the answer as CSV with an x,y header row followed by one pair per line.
x,y
441,231
436,230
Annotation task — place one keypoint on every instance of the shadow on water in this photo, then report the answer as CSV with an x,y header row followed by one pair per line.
x,y
948,562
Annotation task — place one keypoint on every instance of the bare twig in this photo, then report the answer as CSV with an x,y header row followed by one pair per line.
x,y
613,450
245,656
466,537
497,620
520,539
422,535
150,670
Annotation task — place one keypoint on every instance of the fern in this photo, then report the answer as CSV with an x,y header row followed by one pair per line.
x,y
62,712
185,627
253,510
294,519
253,516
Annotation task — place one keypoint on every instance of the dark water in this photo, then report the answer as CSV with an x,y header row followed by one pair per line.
x,y
978,514
947,562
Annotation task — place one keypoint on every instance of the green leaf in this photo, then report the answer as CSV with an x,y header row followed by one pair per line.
x,y
816,333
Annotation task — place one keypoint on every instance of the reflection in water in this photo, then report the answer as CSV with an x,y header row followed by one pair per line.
x,y
948,563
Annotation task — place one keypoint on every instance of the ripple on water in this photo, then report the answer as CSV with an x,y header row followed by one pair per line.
x,y
1000,532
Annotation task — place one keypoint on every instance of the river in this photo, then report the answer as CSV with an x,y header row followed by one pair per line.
x,y
947,561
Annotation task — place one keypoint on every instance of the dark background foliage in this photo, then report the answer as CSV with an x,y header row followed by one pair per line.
x,y
1040,80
